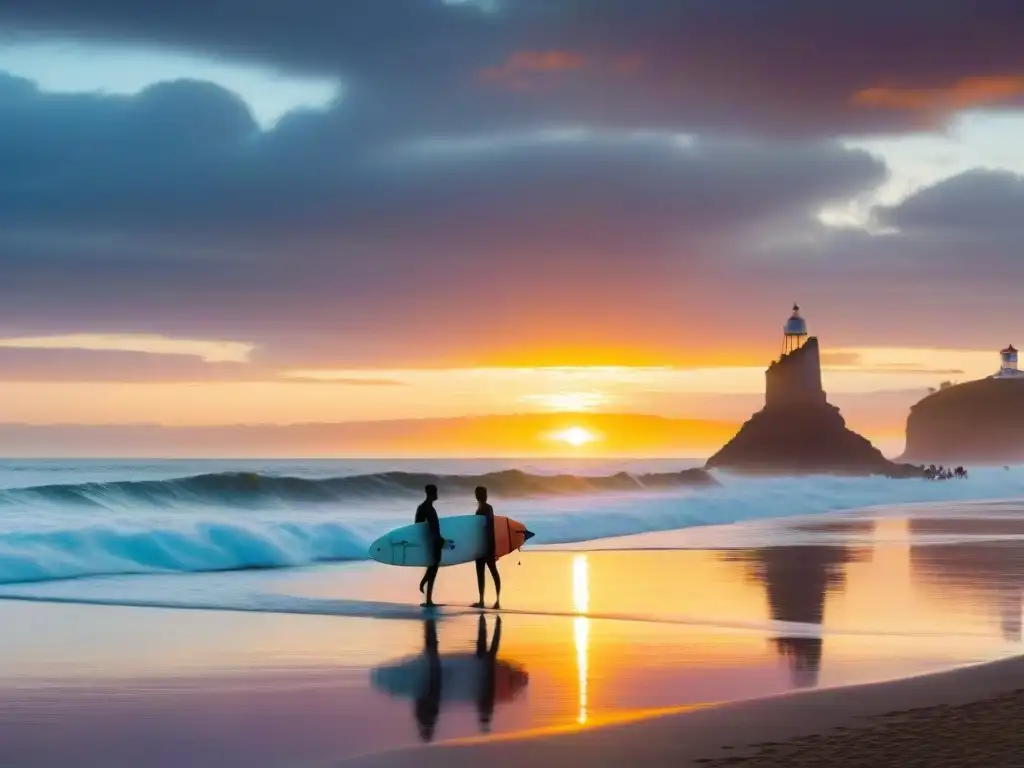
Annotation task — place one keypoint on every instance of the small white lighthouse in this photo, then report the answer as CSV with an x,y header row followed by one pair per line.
x,y
1008,364
794,332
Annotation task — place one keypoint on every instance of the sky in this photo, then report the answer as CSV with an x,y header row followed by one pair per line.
x,y
394,209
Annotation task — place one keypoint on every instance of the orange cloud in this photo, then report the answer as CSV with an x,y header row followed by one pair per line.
x,y
963,94
520,67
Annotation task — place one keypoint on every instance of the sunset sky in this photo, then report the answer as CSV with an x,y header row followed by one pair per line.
x,y
271,212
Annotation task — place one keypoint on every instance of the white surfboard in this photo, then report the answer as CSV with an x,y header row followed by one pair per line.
x,y
464,541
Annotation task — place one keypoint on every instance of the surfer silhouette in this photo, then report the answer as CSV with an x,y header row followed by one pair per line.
x,y
425,513
485,509
428,705
488,675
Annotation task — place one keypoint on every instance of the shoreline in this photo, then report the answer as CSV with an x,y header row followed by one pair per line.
x,y
977,706
860,613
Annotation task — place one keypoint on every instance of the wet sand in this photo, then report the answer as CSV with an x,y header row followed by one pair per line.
x,y
597,653
959,719
108,686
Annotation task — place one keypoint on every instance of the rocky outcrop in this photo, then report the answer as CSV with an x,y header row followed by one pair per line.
x,y
799,431
978,422
804,439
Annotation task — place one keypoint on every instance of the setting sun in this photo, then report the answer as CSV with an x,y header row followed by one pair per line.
x,y
574,436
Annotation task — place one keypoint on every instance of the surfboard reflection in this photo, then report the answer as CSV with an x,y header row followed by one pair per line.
x,y
432,678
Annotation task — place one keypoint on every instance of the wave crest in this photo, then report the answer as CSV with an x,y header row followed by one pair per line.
x,y
233,521
253,489
199,547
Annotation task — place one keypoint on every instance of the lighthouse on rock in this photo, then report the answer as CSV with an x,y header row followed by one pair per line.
x,y
1008,364
798,431
795,378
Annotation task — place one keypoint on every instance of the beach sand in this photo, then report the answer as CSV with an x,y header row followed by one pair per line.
x,y
967,718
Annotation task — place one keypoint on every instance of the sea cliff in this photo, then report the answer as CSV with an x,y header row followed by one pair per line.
x,y
978,422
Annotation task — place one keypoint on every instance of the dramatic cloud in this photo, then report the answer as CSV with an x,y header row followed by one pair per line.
x,y
187,157
727,65
628,181
980,204
171,211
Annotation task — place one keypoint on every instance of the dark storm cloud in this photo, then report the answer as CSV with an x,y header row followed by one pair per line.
x,y
170,211
794,66
947,278
427,218
187,157
979,204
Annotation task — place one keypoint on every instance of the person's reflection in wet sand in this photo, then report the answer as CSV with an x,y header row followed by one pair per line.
x,y
488,673
428,704
433,680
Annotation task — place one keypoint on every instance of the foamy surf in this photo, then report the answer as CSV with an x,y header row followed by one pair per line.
x,y
296,605
218,522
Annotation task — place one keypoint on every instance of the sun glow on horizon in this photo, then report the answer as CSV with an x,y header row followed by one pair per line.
x,y
99,380
574,436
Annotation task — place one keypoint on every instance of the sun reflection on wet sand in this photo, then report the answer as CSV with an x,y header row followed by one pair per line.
x,y
581,628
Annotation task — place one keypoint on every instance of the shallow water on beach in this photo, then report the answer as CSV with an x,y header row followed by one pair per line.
x,y
587,636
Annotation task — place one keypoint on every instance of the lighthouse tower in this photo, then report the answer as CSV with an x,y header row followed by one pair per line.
x,y
795,378
1008,364
794,332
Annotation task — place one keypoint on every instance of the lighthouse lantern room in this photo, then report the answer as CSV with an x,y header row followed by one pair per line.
x,y
1008,364
794,332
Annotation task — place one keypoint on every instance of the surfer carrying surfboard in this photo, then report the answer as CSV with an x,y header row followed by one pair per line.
x,y
425,513
489,559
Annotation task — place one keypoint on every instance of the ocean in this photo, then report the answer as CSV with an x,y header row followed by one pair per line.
x,y
71,519
224,613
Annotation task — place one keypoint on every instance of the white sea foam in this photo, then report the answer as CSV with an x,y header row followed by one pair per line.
x,y
149,520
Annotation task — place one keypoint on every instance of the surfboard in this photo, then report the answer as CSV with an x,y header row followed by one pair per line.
x,y
463,536
463,676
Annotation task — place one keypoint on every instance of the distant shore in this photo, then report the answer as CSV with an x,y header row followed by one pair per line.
x,y
964,717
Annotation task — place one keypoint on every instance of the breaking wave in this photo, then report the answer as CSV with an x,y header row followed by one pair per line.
x,y
234,521
250,489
